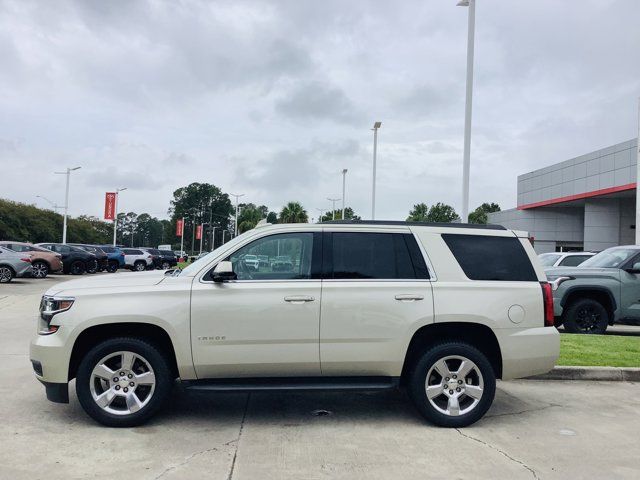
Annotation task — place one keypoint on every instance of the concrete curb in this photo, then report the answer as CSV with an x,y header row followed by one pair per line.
x,y
614,374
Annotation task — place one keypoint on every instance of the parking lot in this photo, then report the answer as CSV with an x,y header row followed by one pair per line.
x,y
535,429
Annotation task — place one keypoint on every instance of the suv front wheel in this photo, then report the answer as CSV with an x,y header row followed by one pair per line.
x,y
122,382
452,384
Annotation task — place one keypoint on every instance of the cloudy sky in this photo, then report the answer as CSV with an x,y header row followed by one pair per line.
x,y
274,99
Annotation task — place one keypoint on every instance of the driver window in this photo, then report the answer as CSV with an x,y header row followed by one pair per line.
x,y
285,256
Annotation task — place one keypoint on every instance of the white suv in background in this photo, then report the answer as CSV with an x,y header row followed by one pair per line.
x,y
137,259
442,310
564,259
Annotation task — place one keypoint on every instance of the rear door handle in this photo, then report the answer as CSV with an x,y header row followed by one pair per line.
x,y
297,299
409,297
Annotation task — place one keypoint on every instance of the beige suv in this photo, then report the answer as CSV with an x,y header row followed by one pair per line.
x,y
441,310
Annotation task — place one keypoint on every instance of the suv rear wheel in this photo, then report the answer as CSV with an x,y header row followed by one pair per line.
x,y
122,382
586,315
40,269
452,384
165,266
140,266
77,267
113,266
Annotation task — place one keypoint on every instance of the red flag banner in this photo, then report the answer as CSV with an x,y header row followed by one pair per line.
x,y
199,232
110,206
179,227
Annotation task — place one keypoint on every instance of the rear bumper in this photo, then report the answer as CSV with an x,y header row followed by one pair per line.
x,y
528,351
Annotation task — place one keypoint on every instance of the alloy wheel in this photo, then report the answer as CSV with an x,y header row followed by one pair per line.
x,y
40,270
587,319
122,383
140,267
454,385
5,274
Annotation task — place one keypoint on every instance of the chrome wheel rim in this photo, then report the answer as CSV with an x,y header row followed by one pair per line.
x,y
40,270
122,383
5,274
140,267
454,385
165,266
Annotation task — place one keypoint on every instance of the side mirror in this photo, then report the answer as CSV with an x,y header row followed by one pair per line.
x,y
635,268
223,272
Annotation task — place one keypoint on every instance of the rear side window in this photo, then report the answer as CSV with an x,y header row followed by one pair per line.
x,y
491,258
354,255
573,260
108,249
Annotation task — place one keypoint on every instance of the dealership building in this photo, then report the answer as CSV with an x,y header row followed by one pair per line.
x,y
585,203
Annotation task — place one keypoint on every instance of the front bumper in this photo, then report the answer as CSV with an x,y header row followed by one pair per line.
x,y
52,354
528,351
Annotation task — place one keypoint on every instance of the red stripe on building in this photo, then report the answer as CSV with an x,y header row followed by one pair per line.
x,y
579,196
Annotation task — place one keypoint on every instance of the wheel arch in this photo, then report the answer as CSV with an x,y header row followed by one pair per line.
x,y
602,295
91,336
475,334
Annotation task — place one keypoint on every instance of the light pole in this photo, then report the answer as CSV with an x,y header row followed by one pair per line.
x,y
54,205
333,209
66,201
638,183
344,184
213,237
466,163
115,214
237,197
321,210
375,128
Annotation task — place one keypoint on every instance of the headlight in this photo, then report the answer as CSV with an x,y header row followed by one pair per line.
x,y
49,307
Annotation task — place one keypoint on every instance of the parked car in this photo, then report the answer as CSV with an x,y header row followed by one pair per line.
x,y
43,261
440,309
181,255
102,259
263,261
14,264
252,261
136,259
115,257
282,263
564,259
599,292
75,260
169,259
156,258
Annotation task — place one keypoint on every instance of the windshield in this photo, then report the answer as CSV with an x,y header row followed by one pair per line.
x,y
610,258
201,262
548,259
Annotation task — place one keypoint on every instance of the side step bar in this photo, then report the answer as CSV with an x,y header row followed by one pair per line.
x,y
292,383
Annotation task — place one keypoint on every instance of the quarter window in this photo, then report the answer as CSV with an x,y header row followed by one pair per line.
x,y
285,256
573,260
389,256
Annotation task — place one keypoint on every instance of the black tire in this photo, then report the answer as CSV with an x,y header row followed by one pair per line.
x,y
165,266
140,266
585,315
113,266
40,269
92,267
477,407
6,274
77,267
151,354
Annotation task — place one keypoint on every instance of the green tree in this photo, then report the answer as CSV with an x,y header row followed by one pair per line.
x,y
250,215
272,218
438,213
293,212
348,215
479,215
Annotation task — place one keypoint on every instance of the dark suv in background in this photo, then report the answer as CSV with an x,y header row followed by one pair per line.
x,y
168,259
102,259
74,260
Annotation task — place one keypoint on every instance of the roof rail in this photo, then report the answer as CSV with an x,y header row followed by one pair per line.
x,y
477,226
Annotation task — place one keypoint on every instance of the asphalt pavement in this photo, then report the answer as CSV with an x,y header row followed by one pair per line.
x,y
535,429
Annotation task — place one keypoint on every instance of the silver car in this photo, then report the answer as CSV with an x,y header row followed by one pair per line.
x,y
14,264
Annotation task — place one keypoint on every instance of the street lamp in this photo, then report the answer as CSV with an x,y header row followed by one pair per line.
x,y
54,205
466,163
375,128
237,197
344,180
321,210
115,214
333,208
66,201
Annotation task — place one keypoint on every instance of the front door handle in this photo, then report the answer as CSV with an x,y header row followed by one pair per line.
x,y
298,299
409,297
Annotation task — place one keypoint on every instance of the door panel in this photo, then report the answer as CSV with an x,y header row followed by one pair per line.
x,y
245,329
364,328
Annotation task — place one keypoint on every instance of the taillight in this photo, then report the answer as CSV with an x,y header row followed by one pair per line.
x,y
26,259
547,297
